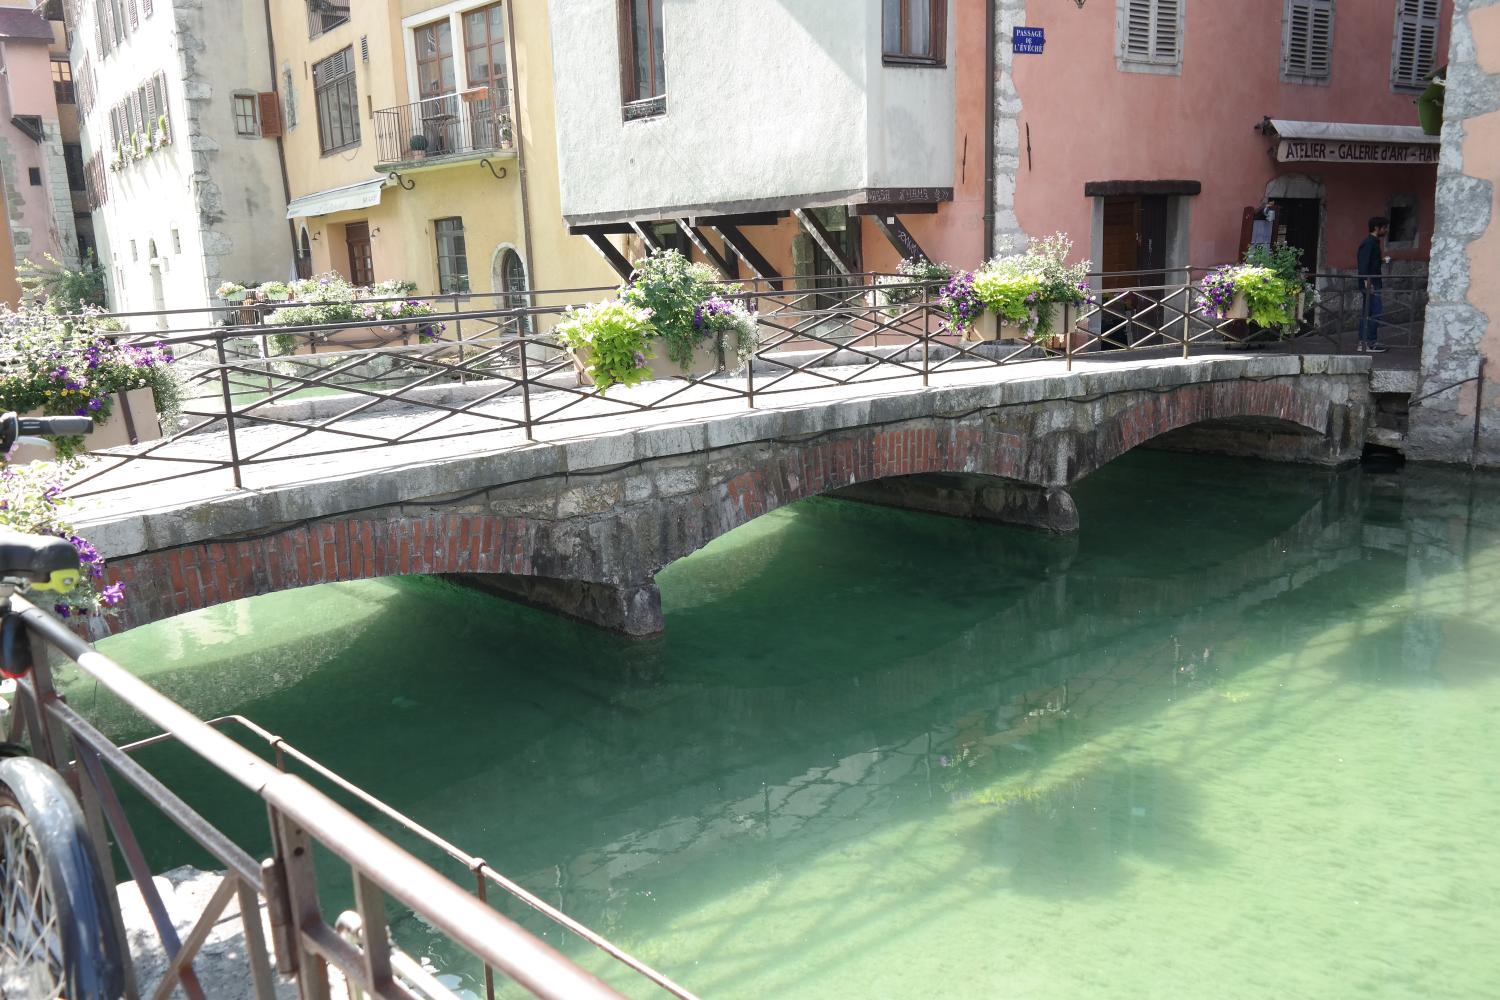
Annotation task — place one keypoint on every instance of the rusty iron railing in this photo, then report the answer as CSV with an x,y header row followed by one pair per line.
x,y
500,371
473,121
281,890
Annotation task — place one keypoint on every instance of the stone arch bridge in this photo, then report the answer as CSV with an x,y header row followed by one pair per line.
x,y
581,526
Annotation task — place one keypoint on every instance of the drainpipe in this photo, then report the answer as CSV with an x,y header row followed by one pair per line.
x,y
989,129
286,183
510,30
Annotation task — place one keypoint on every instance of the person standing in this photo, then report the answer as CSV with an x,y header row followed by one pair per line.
x,y
1369,262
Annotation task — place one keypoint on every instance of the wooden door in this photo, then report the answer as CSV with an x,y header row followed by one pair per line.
x,y
361,262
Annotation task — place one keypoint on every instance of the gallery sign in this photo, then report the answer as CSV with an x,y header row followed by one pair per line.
x,y
1345,151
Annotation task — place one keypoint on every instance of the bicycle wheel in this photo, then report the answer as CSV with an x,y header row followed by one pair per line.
x,y
58,934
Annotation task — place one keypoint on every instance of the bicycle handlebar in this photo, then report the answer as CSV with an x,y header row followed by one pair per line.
x,y
45,562
12,427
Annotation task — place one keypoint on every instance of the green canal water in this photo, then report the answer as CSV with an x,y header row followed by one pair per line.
x,y
1240,738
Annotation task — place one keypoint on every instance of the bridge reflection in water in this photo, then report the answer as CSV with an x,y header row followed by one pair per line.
x,y
862,721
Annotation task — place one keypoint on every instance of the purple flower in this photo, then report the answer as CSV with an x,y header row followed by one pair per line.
x,y
640,359
112,595
94,404
63,611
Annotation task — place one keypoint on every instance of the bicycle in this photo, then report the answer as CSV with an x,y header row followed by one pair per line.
x,y
59,934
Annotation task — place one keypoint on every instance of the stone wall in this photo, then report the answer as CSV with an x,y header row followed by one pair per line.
x,y
1463,313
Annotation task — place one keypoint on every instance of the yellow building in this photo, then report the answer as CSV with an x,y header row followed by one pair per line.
x,y
420,145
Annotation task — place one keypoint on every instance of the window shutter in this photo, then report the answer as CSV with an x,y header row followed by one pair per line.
x,y
270,114
1137,40
1309,39
101,26
135,16
1416,42
151,111
1166,31
145,8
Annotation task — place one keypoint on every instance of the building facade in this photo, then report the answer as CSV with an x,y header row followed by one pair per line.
x,y
419,142
1455,416
774,138
183,199
848,134
40,156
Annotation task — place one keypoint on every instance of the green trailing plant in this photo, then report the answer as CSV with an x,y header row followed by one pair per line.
x,y
1270,283
1010,289
731,324
329,298
64,289
273,291
1060,283
672,288
909,273
611,339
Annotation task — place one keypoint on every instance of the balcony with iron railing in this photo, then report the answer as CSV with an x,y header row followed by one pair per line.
x,y
465,125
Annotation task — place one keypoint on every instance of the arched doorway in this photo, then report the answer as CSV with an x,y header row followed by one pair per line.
x,y
508,277
158,290
304,256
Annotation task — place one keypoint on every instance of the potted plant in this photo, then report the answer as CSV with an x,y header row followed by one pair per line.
x,y
609,342
328,299
274,291
418,144
231,291
1064,289
58,365
730,327
962,304
1266,290
163,133
895,290
31,502
1011,292
671,289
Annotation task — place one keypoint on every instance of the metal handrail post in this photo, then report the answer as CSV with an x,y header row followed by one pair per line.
x,y
1187,310
463,376
926,334
234,448
526,389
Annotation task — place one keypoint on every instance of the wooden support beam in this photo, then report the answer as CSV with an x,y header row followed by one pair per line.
x,y
706,248
601,228
905,243
823,238
742,219
614,258
742,246
647,236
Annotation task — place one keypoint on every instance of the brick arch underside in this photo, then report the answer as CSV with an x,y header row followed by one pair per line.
x,y
625,544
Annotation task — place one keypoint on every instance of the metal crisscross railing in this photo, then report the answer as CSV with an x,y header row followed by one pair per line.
x,y
262,396
281,918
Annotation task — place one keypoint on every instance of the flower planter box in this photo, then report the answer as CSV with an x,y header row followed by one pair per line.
x,y
132,420
1065,333
359,338
1240,309
706,361
990,327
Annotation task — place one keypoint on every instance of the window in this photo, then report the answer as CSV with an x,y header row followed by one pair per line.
x,y
34,174
914,32
484,51
176,241
452,257
1402,211
245,122
1150,35
643,71
325,15
73,160
117,20
513,284
62,81
434,43
304,256
1415,45
337,100
1307,42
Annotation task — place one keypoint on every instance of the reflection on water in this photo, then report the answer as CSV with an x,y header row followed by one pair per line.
x,y
1236,739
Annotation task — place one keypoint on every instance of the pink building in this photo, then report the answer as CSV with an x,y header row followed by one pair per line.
x,y
1154,131
39,179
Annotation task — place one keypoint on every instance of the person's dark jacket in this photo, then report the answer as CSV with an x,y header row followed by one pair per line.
x,y
1369,261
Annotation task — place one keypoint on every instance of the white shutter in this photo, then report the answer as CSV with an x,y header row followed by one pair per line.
x,y
1136,43
1151,31
1309,39
1415,48
1167,31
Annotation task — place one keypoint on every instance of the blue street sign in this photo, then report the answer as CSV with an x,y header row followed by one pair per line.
x,y
1028,41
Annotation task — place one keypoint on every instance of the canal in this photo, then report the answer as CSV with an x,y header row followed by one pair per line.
x,y
1238,738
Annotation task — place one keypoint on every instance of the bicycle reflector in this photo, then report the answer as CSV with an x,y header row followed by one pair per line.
x,y
40,562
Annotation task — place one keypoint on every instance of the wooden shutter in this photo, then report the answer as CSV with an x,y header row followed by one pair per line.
x,y
1167,31
1136,43
102,33
1309,39
1416,42
270,114
145,8
151,111
135,15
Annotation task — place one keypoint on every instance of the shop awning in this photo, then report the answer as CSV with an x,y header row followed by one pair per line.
x,y
339,199
1344,142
